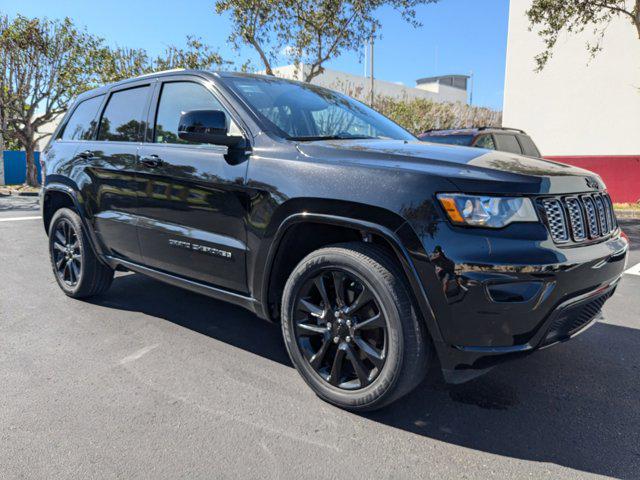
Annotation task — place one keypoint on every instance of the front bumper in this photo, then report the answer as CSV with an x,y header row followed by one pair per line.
x,y
501,295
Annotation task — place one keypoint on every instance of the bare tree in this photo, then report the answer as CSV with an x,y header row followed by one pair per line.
x,y
309,32
574,16
48,62
120,63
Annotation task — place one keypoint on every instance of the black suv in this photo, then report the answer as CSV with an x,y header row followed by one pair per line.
x,y
504,139
379,254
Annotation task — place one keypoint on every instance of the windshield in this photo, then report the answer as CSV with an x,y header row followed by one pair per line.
x,y
306,112
449,139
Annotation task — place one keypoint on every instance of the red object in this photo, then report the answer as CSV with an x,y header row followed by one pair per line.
x,y
620,173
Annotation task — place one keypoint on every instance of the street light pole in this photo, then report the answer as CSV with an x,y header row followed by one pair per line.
x,y
372,93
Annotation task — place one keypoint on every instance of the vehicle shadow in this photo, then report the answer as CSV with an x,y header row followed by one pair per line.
x,y
220,320
576,405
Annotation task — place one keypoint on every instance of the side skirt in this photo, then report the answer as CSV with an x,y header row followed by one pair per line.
x,y
249,303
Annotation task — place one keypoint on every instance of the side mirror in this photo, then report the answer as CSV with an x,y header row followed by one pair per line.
x,y
206,126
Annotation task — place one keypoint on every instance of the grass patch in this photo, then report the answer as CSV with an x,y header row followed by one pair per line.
x,y
627,206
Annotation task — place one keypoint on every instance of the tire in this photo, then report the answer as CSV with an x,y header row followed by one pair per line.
x,y
75,266
398,342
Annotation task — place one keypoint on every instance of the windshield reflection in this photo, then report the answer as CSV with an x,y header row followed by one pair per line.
x,y
305,112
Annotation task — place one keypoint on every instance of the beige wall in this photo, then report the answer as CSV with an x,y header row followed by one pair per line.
x,y
575,106
359,87
48,128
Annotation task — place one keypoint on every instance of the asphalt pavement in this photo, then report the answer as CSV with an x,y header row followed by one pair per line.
x,y
150,381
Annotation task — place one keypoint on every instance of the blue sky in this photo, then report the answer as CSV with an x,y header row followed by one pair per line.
x,y
457,36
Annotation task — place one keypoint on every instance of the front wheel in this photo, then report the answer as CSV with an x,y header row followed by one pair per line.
x,y
76,267
350,328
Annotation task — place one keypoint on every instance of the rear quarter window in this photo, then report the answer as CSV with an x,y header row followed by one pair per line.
x,y
528,147
82,122
508,143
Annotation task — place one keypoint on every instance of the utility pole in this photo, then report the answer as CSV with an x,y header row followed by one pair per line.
x,y
373,33
471,95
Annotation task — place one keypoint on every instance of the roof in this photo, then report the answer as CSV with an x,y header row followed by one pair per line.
x,y
471,131
163,73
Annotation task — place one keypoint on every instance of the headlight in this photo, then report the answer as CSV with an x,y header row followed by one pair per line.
x,y
488,212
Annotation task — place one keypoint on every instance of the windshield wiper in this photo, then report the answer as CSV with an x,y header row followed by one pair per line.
x,y
311,138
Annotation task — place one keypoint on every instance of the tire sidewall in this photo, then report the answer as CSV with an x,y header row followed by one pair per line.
x,y
65,214
374,393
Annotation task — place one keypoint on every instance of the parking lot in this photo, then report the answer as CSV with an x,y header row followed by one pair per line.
x,y
150,381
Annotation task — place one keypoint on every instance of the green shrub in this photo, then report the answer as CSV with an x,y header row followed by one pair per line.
x,y
419,115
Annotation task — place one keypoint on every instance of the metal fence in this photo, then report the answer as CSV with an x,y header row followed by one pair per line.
x,y
15,167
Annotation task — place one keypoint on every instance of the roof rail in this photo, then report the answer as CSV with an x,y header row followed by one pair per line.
x,y
502,128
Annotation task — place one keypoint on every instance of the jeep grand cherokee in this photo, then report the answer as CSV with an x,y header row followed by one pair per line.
x,y
379,254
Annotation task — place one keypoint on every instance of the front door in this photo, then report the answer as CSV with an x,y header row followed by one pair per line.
x,y
191,200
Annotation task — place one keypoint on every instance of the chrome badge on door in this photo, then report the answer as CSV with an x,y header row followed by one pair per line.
x,y
216,252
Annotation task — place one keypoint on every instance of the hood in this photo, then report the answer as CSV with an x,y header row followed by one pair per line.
x,y
472,170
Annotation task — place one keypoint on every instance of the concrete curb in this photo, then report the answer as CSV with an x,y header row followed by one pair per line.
x,y
16,193
628,214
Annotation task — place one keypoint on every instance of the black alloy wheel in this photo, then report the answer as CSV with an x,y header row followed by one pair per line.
x,y
67,256
350,327
341,329
77,269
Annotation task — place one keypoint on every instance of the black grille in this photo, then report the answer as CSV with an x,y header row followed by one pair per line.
x,y
573,319
556,220
576,219
579,218
592,217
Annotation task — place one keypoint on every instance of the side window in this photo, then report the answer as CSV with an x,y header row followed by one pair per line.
x,y
177,98
508,143
124,115
528,147
485,141
83,120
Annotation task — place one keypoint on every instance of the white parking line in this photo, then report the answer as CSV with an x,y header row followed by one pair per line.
x,y
17,219
635,270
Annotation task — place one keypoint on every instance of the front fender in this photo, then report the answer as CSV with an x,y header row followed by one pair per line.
x,y
392,235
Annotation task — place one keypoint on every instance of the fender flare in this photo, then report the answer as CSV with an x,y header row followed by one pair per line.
x,y
73,195
390,236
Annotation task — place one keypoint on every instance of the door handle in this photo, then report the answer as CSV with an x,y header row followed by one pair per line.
x,y
87,154
151,161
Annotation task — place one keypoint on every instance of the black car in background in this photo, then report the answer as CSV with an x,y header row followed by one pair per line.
x,y
503,139
379,254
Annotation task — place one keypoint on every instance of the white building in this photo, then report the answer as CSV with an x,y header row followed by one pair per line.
x,y
448,88
577,106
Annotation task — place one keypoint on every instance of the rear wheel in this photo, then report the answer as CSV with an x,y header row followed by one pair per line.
x,y
350,328
77,269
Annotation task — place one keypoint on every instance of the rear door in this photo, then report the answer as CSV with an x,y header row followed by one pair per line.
x,y
113,159
192,199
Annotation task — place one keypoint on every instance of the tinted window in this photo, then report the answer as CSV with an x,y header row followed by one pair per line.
x,y
83,120
123,116
528,147
177,98
449,139
485,141
307,112
508,143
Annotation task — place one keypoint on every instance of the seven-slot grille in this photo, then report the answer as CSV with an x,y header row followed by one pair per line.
x,y
580,217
